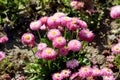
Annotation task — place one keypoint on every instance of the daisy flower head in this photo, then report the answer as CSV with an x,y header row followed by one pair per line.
x,y
65,73
43,20
59,14
3,39
2,55
106,72
72,63
86,35
64,51
115,12
35,25
96,72
53,22
49,54
38,54
28,38
65,20
57,76
59,42
116,49
41,46
74,45
53,33
85,71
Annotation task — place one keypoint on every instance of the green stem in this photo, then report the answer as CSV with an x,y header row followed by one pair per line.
x,y
49,62
65,33
39,34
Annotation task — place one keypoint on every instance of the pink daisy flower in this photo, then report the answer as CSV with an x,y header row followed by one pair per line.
x,y
59,14
65,73
73,4
43,27
86,35
3,39
59,42
35,25
28,39
57,76
2,55
82,24
64,51
49,54
53,22
116,49
72,63
96,72
74,45
115,12
64,20
38,54
53,33
108,78
43,20
85,72
41,46
74,75
106,72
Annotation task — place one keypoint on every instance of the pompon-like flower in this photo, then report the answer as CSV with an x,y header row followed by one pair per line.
x,y
72,63
115,12
2,55
57,76
64,51
59,14
53,33
86,35
28,39
110,58
74,45
43,20
116,49
43,27
41,46
85,72
73,4
106,72
82,24
74,75
108,78
35,25
64,20
59,42
3,39
96,72
53,22
49,54
65,73
38,54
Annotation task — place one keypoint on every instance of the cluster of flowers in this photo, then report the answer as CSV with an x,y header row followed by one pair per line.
x,y
3,39
115,12
55,26
85,72
2,55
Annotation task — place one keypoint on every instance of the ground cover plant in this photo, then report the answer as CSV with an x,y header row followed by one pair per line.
x,y
60,40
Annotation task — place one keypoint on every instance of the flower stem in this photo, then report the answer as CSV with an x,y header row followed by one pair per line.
x,y
49,62
39,34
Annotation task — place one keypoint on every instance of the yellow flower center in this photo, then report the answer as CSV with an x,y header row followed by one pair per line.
x,y
86,32
35,23
65,71
54,19
59,40
57,75
48,51
73,3
27,37
72,62
66,18
85,69
53,33
116,48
